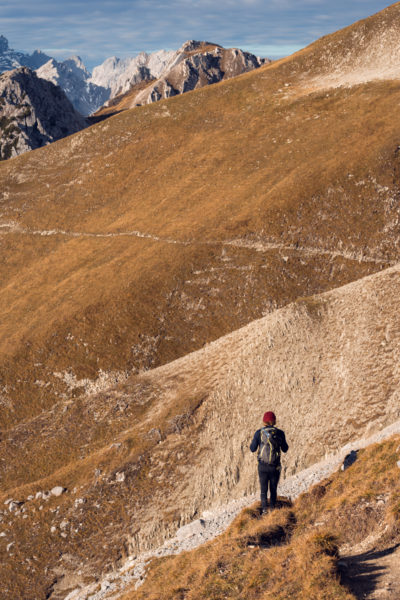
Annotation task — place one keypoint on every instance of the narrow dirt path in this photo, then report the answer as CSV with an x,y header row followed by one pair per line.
x,y
258,246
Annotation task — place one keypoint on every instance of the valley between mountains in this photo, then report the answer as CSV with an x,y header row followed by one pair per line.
x,y
170,273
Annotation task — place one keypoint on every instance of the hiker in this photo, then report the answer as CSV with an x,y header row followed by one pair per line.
x,y
269,441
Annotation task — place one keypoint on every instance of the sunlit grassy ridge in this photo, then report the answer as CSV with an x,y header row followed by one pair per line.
x,y
293,551
162,228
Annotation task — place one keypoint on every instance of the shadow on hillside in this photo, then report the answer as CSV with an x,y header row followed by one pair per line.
x,y
93,119
361,573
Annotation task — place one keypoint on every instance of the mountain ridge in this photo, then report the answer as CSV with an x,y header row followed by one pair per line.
x,y
326,361
11,59
167,273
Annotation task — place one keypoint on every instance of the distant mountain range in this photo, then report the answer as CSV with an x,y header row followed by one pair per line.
x,y
169,72
12,59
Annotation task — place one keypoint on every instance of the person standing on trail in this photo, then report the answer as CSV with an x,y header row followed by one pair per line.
x,y
269,441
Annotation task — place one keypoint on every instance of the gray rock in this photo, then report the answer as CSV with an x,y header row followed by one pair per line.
x,y
398,463
73,77
33,113
195,65
12,59
349,459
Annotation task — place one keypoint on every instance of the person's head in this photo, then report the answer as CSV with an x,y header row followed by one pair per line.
x,y
269,418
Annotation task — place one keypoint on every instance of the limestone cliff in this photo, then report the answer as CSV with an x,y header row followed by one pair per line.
x,y
73,77
195,65
33,113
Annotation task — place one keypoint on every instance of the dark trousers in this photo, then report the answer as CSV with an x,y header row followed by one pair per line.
x,y
269,476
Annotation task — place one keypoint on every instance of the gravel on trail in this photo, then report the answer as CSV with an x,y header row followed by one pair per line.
x,y
213,522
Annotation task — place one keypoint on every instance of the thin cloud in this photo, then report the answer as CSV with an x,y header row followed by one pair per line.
x,y
97,29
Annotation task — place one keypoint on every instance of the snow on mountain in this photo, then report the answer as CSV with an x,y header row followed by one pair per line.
x,y
120,74
12,59
73,77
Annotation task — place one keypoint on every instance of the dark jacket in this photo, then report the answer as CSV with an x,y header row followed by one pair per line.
x,y
255,444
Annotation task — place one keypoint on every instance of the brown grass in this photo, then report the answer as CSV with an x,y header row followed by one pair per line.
x,y
252,202
250,561
85,304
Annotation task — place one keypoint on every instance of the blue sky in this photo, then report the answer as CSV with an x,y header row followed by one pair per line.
x,y
97,29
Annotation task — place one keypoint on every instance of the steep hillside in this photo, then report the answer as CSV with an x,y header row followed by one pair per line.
x,y
140,459
340,540
33,113
145,236
366,51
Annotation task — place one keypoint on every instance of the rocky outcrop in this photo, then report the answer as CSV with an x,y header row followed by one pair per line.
x,y
73,77
11,59
195,65
33,113
119,75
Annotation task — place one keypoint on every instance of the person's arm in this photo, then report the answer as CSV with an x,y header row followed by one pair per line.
x,y
256,441
284,445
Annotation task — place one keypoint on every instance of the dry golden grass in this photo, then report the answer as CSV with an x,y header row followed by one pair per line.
x,y
125,303
141,239
293,551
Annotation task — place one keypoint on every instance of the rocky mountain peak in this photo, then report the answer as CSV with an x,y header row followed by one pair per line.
x,y
3,44
73,77
192,45
119,75
75,63
12,59
195,65
33,113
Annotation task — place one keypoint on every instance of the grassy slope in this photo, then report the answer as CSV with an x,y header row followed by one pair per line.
x,y
327,362
292,552
310,178
205,175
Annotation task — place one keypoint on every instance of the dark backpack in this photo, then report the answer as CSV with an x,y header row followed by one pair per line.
x,y
269,451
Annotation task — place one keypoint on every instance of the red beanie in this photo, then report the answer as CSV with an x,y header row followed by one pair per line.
x,y
269,417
